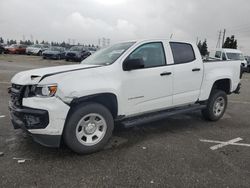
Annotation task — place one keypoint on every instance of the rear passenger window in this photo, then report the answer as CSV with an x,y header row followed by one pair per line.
x,y
182,52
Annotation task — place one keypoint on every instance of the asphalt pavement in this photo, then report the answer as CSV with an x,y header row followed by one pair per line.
x,y
175,152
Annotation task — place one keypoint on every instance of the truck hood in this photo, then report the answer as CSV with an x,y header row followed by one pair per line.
x,y
34,76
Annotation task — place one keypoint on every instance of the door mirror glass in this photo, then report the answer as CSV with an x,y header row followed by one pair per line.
x,y
132,64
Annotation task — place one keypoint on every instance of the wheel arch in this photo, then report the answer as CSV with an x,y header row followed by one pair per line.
x,y
222,84
109,100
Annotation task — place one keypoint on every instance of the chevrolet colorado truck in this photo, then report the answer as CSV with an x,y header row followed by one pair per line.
x,y
129,83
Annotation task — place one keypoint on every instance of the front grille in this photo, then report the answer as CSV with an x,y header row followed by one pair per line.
x,y
16,94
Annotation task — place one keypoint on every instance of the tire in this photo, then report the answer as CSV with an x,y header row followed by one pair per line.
x,y
67,59
216,106
40,53
82,134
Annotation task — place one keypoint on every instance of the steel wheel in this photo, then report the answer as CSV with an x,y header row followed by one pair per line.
x,y
219,106
91,129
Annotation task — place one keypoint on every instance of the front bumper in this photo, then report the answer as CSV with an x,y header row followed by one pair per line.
x,y
28,119
42,118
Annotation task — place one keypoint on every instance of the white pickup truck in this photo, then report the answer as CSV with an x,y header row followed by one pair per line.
x,y
130,83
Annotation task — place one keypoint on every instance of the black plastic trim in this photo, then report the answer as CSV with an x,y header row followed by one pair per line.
x,y
53,141
158,115
18,117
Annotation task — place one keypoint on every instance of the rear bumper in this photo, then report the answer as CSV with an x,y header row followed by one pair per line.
x,y
237,91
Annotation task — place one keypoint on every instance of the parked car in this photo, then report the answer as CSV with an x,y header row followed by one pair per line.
x,y
2,49
131,83
92,50
248,63
36,49
225,54
16,49
54,52
77,53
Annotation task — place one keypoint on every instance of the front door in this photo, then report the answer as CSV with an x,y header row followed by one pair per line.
x,y
149,88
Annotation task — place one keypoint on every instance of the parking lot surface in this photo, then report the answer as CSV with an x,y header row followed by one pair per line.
x,y
167,153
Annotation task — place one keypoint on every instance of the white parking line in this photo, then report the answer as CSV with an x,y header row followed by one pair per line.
x,y
4,82
2,116
220,144
240,102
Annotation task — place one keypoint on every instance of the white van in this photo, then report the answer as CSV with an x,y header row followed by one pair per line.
x,y
225,54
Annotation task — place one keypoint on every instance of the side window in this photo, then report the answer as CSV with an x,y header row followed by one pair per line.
x,y
217,54
152,54
182,52
224,56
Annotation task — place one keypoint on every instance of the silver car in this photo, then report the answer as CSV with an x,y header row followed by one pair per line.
x,y
36,49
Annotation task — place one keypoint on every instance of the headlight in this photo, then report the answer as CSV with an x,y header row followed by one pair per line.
x,y
45,90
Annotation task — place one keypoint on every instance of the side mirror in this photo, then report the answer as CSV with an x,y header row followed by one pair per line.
x,y
132,64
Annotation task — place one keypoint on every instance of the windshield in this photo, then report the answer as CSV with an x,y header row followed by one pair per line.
x,y
235,56
76,48
36,46
108,55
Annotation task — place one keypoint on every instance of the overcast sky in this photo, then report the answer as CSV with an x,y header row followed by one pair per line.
x,y
87,20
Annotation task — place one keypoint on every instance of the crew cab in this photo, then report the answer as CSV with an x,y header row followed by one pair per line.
x,y
129,83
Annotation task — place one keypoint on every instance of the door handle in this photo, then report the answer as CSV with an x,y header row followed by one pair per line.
x,y
166,73
196,69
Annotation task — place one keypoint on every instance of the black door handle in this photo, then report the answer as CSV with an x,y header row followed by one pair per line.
x,y
196,69
166,73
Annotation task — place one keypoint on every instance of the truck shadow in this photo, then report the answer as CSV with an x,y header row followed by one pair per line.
x,y
123,137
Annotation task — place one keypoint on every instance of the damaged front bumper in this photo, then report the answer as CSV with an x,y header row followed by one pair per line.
x,y
30,118
42,118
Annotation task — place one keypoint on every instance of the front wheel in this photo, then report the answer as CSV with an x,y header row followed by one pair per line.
x,y
216,106
88,128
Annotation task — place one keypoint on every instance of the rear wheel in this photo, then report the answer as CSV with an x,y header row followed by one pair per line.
x,y
216,106
88,128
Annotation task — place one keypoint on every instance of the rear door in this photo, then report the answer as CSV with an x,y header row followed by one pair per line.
x,y
188,73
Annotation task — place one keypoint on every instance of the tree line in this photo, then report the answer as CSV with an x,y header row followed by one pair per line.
x,y
230,42
29,42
